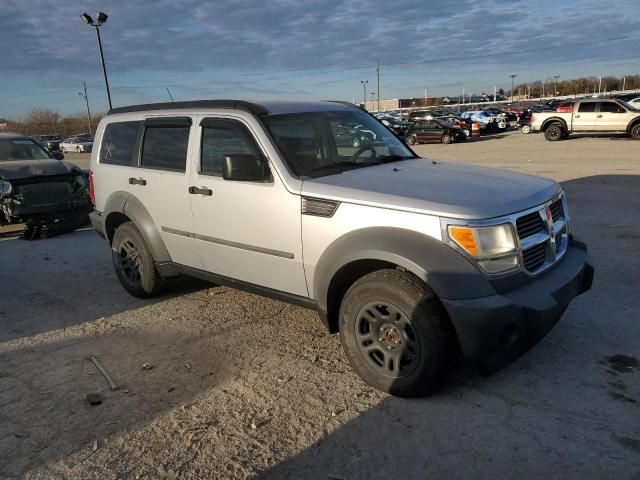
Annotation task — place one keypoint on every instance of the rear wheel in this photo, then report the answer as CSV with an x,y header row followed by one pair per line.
x,y
554,132
394,333
526,129
133,262
635,131
446,139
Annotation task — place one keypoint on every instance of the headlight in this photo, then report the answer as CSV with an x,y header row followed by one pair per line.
x,y
5,188
492,247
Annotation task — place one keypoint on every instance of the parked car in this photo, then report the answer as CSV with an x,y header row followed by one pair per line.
x,y
593,115
635,102
50,142
409,259
398,127
39,189
75,144
352,135
440,131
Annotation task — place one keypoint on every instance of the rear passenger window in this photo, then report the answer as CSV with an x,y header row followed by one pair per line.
x,y
587,107
221,138
165,147
119,143
611,107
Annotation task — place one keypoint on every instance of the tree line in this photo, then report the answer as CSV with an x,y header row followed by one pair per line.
x,y
43,121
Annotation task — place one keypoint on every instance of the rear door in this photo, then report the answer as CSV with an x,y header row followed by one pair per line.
x,y
585,118
161,183
612,117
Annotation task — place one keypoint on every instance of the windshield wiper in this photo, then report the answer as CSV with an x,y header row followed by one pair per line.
x,y
342,166
392,158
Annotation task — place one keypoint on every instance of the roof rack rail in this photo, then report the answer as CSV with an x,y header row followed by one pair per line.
x,y
224,104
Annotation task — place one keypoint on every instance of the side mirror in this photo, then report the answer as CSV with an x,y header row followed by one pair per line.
x,y
58,155
246,168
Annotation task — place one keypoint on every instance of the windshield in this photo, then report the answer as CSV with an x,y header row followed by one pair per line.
x,y
316,144
21,149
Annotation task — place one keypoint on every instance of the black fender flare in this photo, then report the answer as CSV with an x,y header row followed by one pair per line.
x,y
127,204
444,270
551,120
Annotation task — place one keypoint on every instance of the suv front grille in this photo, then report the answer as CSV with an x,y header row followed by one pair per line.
x,y
543,243
530,224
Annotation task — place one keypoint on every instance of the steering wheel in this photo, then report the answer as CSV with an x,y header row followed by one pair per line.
x,y
361,150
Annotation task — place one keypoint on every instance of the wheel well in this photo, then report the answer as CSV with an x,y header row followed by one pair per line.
x,y
550,121
346,276
113,221
633,123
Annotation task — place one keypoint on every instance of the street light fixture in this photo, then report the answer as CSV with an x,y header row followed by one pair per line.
x,y
512,77
364,92
101,18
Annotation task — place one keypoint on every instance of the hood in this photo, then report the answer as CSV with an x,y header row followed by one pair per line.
x,y
17,169
446,189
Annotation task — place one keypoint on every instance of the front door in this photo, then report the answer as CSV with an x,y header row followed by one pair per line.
x,y
248,231
612,117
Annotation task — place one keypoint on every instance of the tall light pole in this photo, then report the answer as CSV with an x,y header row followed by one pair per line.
x,y
364,92
378,74
101,18
555,85
624,83
373,99
86,99
512,77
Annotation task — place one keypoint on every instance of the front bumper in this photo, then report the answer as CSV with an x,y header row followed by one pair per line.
x,y
496,330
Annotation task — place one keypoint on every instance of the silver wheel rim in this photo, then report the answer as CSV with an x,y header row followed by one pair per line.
x,y
387,339
129,262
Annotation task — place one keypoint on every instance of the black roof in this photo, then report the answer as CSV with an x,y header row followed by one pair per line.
x,y
225,104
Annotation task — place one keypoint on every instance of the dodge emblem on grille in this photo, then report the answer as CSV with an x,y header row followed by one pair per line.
x,y
552,235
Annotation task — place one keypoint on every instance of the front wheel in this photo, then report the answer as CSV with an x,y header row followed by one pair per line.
x,y
635,132
394,333
526,129
411,140
447,139
133,262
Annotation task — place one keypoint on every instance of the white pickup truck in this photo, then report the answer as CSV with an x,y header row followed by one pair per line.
x,y
595,115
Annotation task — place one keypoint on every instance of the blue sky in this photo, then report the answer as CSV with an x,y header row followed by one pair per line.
x,y
302,50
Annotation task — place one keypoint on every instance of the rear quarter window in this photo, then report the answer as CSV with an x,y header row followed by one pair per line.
x,y
119,144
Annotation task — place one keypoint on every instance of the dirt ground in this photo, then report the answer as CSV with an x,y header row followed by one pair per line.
x,y
239,386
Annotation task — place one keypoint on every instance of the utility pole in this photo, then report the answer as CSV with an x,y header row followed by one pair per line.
x,y
463,95
378,74
555,85
86,99
599,84
170,96
624,83
512,77
495,93
542,88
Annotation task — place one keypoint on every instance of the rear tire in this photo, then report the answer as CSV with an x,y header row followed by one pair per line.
x,y
526,129
133,262
446,139
395,333
554,132
635,131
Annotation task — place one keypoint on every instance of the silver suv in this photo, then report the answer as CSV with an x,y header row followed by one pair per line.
x,y
412,261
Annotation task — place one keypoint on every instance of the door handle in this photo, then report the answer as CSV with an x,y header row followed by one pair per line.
x,y
576,116
200,191
598,116
137,181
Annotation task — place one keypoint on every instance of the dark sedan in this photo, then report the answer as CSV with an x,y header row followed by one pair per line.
x,y
40,190
439,131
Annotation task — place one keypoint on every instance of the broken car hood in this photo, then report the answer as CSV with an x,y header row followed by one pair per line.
x,y
17,169
440,188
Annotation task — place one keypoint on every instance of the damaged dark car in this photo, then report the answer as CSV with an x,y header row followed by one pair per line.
x,y
39,190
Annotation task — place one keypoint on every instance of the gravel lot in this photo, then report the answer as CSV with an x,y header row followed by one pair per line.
x,y
242,386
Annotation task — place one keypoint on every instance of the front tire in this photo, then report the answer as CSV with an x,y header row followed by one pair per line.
x,y
554,132
411,140
635,131
394,333
526,129
447,139
133,262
